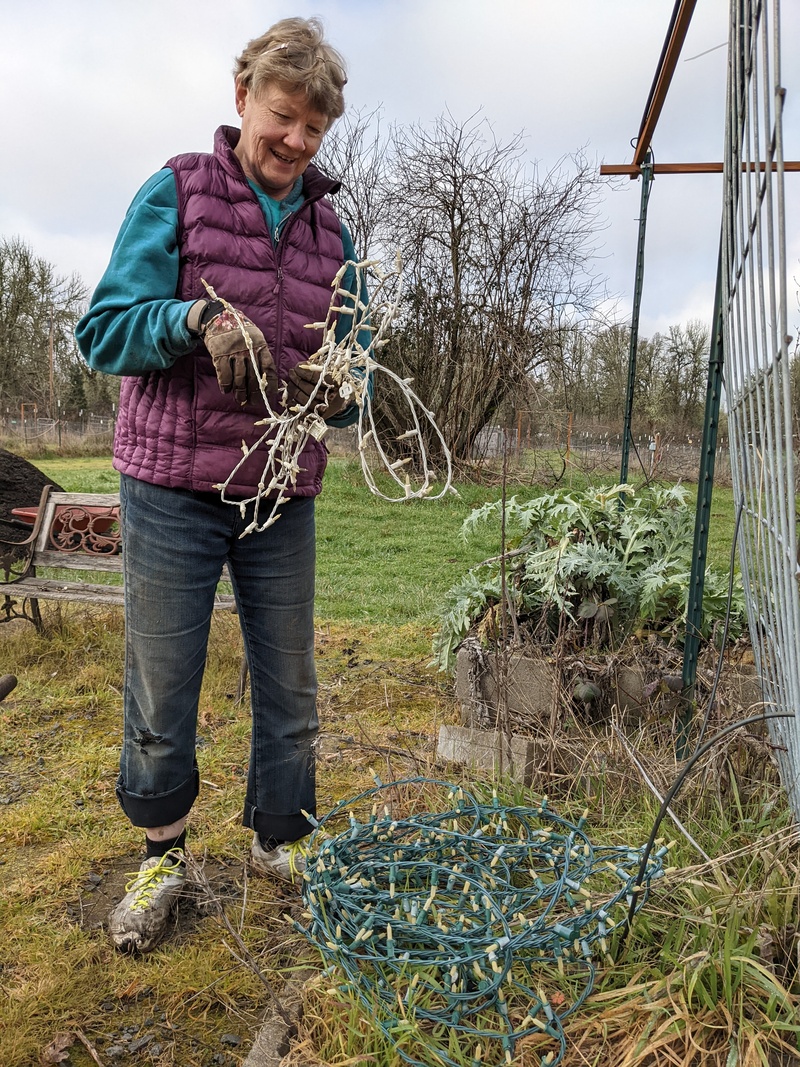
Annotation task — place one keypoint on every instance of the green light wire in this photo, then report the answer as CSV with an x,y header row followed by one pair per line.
x,y
442,917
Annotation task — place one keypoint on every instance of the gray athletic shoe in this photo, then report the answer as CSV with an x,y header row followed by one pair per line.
x,y
140,919
286,861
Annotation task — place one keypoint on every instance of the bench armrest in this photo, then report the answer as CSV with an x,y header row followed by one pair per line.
x,y
16,557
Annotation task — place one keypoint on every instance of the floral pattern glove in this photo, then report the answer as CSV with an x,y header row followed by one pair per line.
x,y
224,339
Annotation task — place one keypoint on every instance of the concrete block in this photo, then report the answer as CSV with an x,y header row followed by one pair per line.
x,y
534,690
273,1039
531,683
488,751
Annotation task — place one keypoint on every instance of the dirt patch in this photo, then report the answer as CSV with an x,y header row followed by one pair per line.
x,y
17,862
21,485
134,1026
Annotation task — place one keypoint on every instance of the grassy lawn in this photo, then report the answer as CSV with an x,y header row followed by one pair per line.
x,y
379,565
712,963
382,564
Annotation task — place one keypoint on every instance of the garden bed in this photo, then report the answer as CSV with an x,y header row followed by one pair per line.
x,y
540,690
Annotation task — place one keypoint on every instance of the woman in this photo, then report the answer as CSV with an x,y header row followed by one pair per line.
x,y
253,220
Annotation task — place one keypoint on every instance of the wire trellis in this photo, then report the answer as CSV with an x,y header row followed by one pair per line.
x,y
758,382
352,365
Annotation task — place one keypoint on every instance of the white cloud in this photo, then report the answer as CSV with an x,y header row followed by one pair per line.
x,y
98,95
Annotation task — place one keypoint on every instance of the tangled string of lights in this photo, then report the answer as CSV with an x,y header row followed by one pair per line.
x,y
455,921
352,365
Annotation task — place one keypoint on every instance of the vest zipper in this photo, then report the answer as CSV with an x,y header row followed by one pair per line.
x,y
278,290
281,223
278,293
285,224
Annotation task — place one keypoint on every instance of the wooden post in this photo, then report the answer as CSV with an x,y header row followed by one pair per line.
x,y
51,412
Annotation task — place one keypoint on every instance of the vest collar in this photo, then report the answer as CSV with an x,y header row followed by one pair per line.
x,y
315,183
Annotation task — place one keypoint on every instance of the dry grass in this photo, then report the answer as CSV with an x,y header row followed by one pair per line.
x,y
66,847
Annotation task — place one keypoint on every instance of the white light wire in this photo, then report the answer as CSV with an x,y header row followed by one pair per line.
x,y
352,366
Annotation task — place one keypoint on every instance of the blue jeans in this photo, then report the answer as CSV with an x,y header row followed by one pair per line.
x,y
175,543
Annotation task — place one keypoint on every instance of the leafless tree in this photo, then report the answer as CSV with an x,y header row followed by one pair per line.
x,y
684,373
354,152
496,259
38,312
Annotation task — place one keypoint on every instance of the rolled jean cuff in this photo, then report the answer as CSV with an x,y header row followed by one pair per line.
x,y
281,827
159,809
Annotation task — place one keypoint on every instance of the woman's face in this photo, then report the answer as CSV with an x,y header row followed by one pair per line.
x,y
281,133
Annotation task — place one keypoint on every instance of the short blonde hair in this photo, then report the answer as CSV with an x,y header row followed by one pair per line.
x,y
295,55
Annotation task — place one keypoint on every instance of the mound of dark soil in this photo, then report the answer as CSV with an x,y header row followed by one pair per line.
x,y
21,486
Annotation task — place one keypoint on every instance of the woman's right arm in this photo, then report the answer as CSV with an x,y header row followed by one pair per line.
x,y
134,323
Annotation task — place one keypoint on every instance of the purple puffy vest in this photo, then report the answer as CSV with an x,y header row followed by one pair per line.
x,y
175,428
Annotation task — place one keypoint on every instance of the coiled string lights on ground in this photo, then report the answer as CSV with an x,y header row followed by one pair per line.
x,y
475,927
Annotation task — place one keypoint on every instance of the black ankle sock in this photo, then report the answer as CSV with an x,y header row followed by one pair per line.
x,y
269,843
161,848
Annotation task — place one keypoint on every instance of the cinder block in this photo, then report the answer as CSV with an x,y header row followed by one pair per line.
x,y
533,692
530,684
488,751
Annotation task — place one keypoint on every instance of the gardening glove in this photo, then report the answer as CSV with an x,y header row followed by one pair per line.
x,y
301,383
224,339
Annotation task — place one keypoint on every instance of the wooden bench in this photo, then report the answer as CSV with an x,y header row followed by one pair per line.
x,y
76,532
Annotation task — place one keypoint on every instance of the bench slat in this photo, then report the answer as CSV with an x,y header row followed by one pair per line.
x,y
83,592
78,561
89,500
85,561
50,589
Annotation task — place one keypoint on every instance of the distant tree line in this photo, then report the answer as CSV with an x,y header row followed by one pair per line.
x,y
498,313
40,366
587,375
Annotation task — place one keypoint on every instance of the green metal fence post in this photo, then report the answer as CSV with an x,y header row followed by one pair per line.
x,y
705,486
647,177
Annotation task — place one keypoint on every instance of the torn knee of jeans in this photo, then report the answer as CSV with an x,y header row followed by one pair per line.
x,y
147,737
305,749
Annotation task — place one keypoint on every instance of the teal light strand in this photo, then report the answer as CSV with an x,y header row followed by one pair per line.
x,y
440,917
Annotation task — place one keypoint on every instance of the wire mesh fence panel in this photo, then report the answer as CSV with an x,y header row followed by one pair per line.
x,y
758,379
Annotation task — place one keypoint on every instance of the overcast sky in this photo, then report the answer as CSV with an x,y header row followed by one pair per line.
x,y
97,94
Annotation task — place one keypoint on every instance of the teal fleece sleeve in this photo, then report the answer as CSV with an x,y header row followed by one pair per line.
x,y
134,323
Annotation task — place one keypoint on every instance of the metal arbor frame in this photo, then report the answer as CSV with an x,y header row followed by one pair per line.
x,y
642,166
